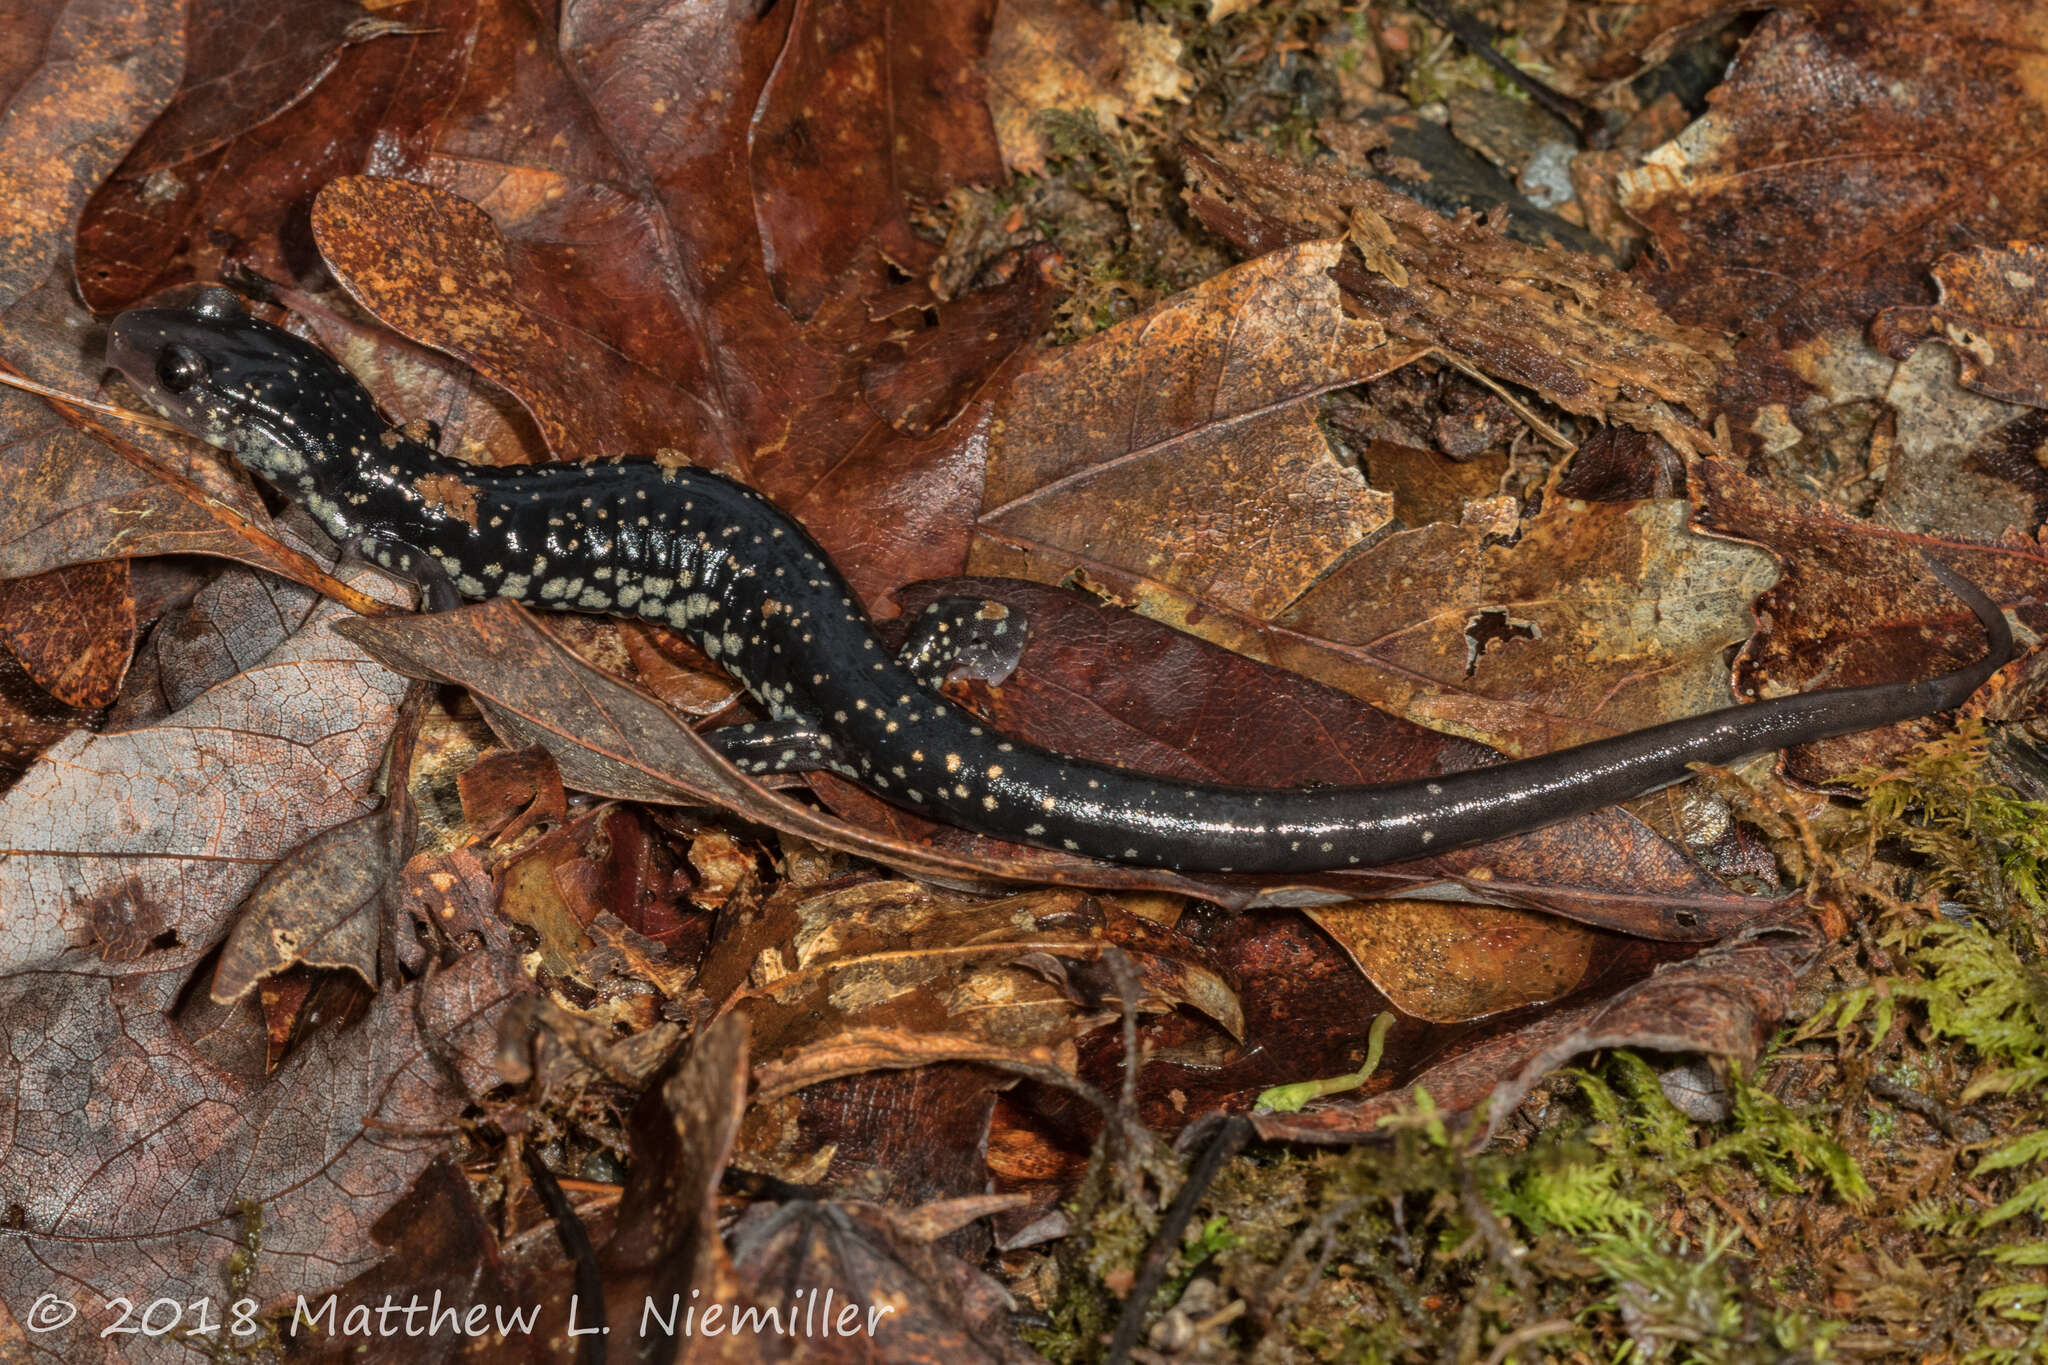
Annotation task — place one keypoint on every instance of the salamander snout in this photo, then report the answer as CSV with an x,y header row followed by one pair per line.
x,y
169,352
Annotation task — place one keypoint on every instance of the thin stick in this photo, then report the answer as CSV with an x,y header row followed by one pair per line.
x,y
1522,410
143,419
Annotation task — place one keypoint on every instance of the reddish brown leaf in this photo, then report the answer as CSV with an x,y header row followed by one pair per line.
x,y
73,630
1791,216
431,265
1993,311
242,205
829,138
248,61
31,720
78,83
507,791
1856,606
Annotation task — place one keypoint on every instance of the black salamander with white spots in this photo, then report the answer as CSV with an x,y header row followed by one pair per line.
x,y
749,587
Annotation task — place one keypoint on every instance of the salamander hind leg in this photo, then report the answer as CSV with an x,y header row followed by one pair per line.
x,y
968,637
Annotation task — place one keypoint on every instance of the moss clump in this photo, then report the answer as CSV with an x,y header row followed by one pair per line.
x,y
1879,1187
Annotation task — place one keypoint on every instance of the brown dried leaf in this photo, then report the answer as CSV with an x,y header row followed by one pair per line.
x,y
73,630
864,99
174,822
1183,445
911,1300
1600,619
1448,963
130,1155
316,906
666,1243
1992,311
251,61
894,955
507,790
78,83
1790,215
240,208
430,264
1585,337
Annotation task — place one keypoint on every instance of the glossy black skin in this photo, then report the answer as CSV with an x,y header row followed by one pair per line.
x,y
750,587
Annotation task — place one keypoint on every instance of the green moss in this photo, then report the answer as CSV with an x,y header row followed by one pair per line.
x,y
1625,1230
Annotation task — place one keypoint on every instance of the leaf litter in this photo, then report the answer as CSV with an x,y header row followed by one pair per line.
x,y
805,245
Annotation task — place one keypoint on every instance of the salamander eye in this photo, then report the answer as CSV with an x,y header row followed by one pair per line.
x,y
179,368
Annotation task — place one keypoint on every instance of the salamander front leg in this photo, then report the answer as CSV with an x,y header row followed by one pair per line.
x,y
968,637
776,746
437,589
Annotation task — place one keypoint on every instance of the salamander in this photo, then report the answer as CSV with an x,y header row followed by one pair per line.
x,y
754,591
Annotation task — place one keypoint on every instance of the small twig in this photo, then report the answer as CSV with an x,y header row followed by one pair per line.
x,y
603,1191
1229,1140
141,419
1522,1336
1318,1233
1913,1101
1735,1216
1506,1253
576,1242
1127,988
1521,409
1580,118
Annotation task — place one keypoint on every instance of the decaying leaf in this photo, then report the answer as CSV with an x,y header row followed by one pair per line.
x,y
1790,217
132,1158
254,61
177,820
1992,311
1600,619
1068,57
72,629
1183,445
1449,963
317,906
78,84
428,263
1585,337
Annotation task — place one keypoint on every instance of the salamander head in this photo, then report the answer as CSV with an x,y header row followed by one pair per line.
x,y
277,403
